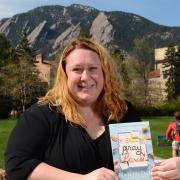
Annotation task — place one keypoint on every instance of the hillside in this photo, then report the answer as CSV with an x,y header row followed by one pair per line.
x,y
51,27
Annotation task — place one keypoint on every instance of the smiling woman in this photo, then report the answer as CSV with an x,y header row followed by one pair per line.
x,y
66,135
85,77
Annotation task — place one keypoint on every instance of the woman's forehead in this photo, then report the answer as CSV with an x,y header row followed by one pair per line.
x,y
83,55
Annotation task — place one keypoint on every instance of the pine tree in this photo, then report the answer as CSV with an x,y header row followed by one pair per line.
x,y
24,49
29,85
21,78
171,66
177,74
5,48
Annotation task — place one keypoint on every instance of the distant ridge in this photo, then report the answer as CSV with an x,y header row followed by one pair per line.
x,y
51,27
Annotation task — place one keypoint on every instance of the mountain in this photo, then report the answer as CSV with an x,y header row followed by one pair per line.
x,y
51,27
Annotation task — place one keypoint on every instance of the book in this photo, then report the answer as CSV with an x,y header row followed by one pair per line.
x,y
132,150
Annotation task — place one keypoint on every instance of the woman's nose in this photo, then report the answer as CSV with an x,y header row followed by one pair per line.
x,y
84,75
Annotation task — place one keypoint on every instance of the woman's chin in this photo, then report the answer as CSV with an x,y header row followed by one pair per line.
x,y
86,101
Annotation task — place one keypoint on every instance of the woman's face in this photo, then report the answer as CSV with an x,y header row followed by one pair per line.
x,y
85,78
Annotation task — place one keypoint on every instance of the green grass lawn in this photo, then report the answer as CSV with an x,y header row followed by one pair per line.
x,y
5,129
158,127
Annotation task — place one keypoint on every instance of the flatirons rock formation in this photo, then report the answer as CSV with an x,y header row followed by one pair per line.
x,y
51,27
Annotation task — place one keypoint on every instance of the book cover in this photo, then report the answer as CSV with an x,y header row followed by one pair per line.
x,y
132,149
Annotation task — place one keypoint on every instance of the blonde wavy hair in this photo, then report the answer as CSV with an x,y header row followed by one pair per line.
x,y
110,103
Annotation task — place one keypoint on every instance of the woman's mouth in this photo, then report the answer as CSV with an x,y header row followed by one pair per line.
x,y
85,87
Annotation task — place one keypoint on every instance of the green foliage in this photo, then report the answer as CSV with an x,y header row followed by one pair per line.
x,y
20,78
117,56
171,72
85,35
177,73
5,49
23,48
169,108
164,109
121,66
147,111
138,69
143,52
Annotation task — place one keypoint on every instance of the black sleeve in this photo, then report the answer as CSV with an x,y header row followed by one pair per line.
x,y
131,115
26,144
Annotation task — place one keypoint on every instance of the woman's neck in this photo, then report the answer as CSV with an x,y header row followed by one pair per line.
x,y
88,113
94,122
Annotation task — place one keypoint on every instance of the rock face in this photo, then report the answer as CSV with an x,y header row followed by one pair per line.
x,y
69,34
4,27
101,29
36,32
50,28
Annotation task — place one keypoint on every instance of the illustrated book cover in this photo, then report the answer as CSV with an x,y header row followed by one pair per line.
x,y
132,150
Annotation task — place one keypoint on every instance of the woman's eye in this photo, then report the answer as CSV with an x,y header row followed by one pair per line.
x,y
92,68
77,69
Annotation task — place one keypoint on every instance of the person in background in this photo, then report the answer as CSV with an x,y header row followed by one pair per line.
x,y
65,135
174,128
169,169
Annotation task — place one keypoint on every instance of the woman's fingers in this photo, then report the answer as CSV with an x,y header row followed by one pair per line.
x,y
2,174
116,166
167,170
101,173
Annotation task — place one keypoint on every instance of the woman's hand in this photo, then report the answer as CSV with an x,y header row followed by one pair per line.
x,y
101,174
167,170
2,174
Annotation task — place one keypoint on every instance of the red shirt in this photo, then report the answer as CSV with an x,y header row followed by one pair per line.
x,y
172,127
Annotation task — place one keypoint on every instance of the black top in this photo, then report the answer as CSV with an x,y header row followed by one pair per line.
x,y
43,135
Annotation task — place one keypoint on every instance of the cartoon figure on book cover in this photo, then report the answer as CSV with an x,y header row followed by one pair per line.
x,y
132,147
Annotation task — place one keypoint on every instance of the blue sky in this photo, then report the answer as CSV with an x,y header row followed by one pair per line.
x,y
164,12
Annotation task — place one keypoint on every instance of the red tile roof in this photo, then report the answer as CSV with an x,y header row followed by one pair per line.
x,y
155,74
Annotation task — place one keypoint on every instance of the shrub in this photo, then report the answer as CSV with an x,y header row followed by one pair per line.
x,y
168,109
5,106
163,109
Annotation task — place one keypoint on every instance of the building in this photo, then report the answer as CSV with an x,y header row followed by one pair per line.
x,y
157,80
44,67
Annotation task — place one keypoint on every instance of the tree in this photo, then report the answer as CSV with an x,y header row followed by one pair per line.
x,y
177,73
24,45
20,77
171,66
6,55
140,61
121,65
5,51
28,84
85,35
118,57
142,50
